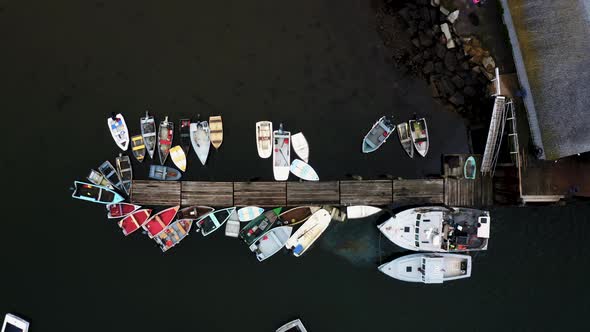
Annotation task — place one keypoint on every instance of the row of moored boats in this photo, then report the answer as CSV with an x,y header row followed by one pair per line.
x,y
412,135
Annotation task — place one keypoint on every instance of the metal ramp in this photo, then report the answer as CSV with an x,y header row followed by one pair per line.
x,y
512,133
495,134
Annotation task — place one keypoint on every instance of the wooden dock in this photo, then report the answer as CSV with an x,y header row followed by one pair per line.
x,y
459,191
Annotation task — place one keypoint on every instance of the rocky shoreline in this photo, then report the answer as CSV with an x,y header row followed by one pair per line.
x,y
421,40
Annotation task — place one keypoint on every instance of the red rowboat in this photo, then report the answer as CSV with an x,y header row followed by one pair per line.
x,y
134,221
121,210
160,220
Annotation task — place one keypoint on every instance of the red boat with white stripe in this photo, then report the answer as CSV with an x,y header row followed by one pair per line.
x,y
134,221
159,221
120,210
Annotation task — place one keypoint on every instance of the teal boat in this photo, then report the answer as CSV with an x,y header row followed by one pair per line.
x,y
212,221
255,228
96,194
470,169
164,173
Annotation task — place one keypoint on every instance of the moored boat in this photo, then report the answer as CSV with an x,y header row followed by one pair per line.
x,y
403,132
296,216
255,228
216,131
271,242
378,134
212,221
98,179
300,146
470,169
185,137
248,213
109,172
178,157
429,268
232,225
264,139
281,154
164,173
303,171
134,221
96,194
165,136
309,232
159,221
119,131
121,210
125,172
199,134
138,147
148,131
292,326
194,212
173,234
439,229
419,133
361,211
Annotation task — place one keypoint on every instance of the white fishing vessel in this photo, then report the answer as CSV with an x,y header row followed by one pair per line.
x,y
271,242
119,131
303,171
178,157
281,154
300,146
264,138
361,211
148,131
248,213
309,232
429,268
200,139
419,133
439,229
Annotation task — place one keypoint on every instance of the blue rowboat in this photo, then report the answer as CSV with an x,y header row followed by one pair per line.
x,y
164,173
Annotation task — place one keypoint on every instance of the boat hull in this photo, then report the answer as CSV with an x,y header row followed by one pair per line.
x,y
255,228
148,131
300,147
95,194
264,139
309,232
298,215
438,269
249,212
405,138
165,136
281,155
178,157
216,131
185,136
199,134
121,210
361,211
470,168
158,222
303,171
138,147
173,234
214,220
119,131
164,173
378,134
125,172
419,132
134,221
271,242
194,212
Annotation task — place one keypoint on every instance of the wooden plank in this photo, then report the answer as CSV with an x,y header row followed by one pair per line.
x,y
216,194
418,191
313,193
264,194
158,193
375,192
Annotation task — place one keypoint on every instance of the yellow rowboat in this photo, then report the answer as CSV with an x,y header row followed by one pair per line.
x,y
178,157
138,147
216,133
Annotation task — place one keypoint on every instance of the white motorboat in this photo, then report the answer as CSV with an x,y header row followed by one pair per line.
x,y
309,232
281,154
271,242
119,131
429,268
419,133
361,211
200,139
300,146
264,138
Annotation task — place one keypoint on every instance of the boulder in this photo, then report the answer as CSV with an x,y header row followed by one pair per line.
x,y
440,50
446,86
427,54
428,67
418,59
439,67
416,42
453,16
425,14
457,99
458,81
425,40
435,3
469,91
450,61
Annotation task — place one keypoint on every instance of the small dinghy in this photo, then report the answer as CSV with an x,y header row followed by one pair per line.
x,y
173,234
419,133
138,147
119,131
281,154
165,136
293,326
470,169
159,221
109,172
361,211
264,138
96,194
309,232
303,171
249,212
199,133
232,225
178,157
300,146
98,179
185,136
194,212
255,228
148,131
121,210
271,242
125,172
212,221
378,134
164,173
429,268
403,132
296,216
216,131
134,221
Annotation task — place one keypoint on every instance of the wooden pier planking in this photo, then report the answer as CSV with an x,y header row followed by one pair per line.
x,y
463,192
369,192
418,191
263,194
163,193
216,194
313,193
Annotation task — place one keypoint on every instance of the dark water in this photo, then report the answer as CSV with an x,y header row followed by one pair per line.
x,y
316,66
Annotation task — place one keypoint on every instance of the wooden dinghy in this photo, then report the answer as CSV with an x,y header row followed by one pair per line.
x,y
296,216
281,154
185,136
96,194
138,147
148,131
164,173
173,234
264,139
121,210
378,134
134,221
199,134
232,225
178,157
214,220
309,232
119,131
111,174
194,212
125,171
271,242
98,179
361,211
248,213
470,168
300,146
419,133
165,136
159,221
303,171
255,228
216,131
403,132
